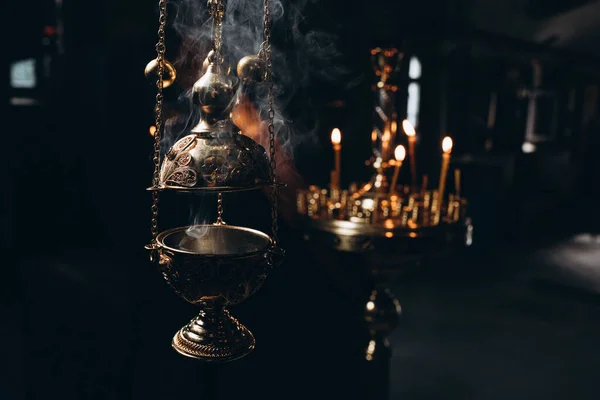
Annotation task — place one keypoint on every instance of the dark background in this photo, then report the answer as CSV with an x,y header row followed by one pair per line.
x,y
86,315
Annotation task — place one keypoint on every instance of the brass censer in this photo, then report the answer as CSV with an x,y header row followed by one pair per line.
x,y
214,265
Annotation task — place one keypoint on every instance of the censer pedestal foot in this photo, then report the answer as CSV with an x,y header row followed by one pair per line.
x,y
214,335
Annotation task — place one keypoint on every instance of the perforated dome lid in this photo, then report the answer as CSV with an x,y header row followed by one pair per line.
x,y
217,160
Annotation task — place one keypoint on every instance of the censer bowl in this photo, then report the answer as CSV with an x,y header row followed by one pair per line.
x,y
214,266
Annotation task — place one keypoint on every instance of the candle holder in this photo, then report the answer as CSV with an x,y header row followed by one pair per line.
x,y
389,227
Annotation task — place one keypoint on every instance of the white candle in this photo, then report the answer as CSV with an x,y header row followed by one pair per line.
x,y
412,139
447,149
336,140
399,154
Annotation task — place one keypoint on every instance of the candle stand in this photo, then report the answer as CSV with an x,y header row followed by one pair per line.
x,y
386,230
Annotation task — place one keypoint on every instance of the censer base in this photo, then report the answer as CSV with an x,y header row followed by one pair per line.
x,y
215,336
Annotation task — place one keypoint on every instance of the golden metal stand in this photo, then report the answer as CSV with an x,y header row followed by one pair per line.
x,y
390,225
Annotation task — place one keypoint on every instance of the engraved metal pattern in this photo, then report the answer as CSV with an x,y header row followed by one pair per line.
x,y
206,161
183,177
196,277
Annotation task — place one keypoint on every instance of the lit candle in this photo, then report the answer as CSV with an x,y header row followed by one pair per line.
x,y
412,139
385,143
446,148
457,182
336,140
399,154
393,129
424,183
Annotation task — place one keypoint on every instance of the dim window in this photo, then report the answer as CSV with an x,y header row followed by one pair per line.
x,y
22,74
414,91
412,108
414,68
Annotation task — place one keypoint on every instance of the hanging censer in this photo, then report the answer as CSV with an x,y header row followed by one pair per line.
x,y
214,265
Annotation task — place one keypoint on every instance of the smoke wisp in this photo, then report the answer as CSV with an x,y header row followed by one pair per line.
x,y
299,55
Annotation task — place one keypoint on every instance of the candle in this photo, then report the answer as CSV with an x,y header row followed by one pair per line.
x,y
399,154
393,129
424,183
385,143
412,139
446,148
457,182
336,140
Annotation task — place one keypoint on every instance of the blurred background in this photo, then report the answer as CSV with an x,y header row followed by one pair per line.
x,y
85,315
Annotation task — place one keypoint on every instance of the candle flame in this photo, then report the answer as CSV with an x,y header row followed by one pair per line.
x,y
336,136
400,153
386,137
408,128
447,144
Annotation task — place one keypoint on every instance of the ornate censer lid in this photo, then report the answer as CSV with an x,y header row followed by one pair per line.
x,y
212,156
221,161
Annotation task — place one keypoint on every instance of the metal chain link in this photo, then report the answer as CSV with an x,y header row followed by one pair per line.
x,y
220,210
216,9
160,58
266,52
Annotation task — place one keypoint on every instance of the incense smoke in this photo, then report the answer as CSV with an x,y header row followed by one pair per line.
x,y
298,55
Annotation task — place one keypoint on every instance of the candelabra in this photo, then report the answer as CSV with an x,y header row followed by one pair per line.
x,y
388,223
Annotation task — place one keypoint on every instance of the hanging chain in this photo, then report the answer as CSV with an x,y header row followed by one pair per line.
x,y
160,58
220,210
266,53
216,9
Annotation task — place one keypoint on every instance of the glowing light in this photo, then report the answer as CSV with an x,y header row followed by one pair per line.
x,y
336,136
370,350
413,103
389,235
22,74
377,163
368,204
408,128
400,153
386,137
414,68
447,144
370,306
152,130
528,147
